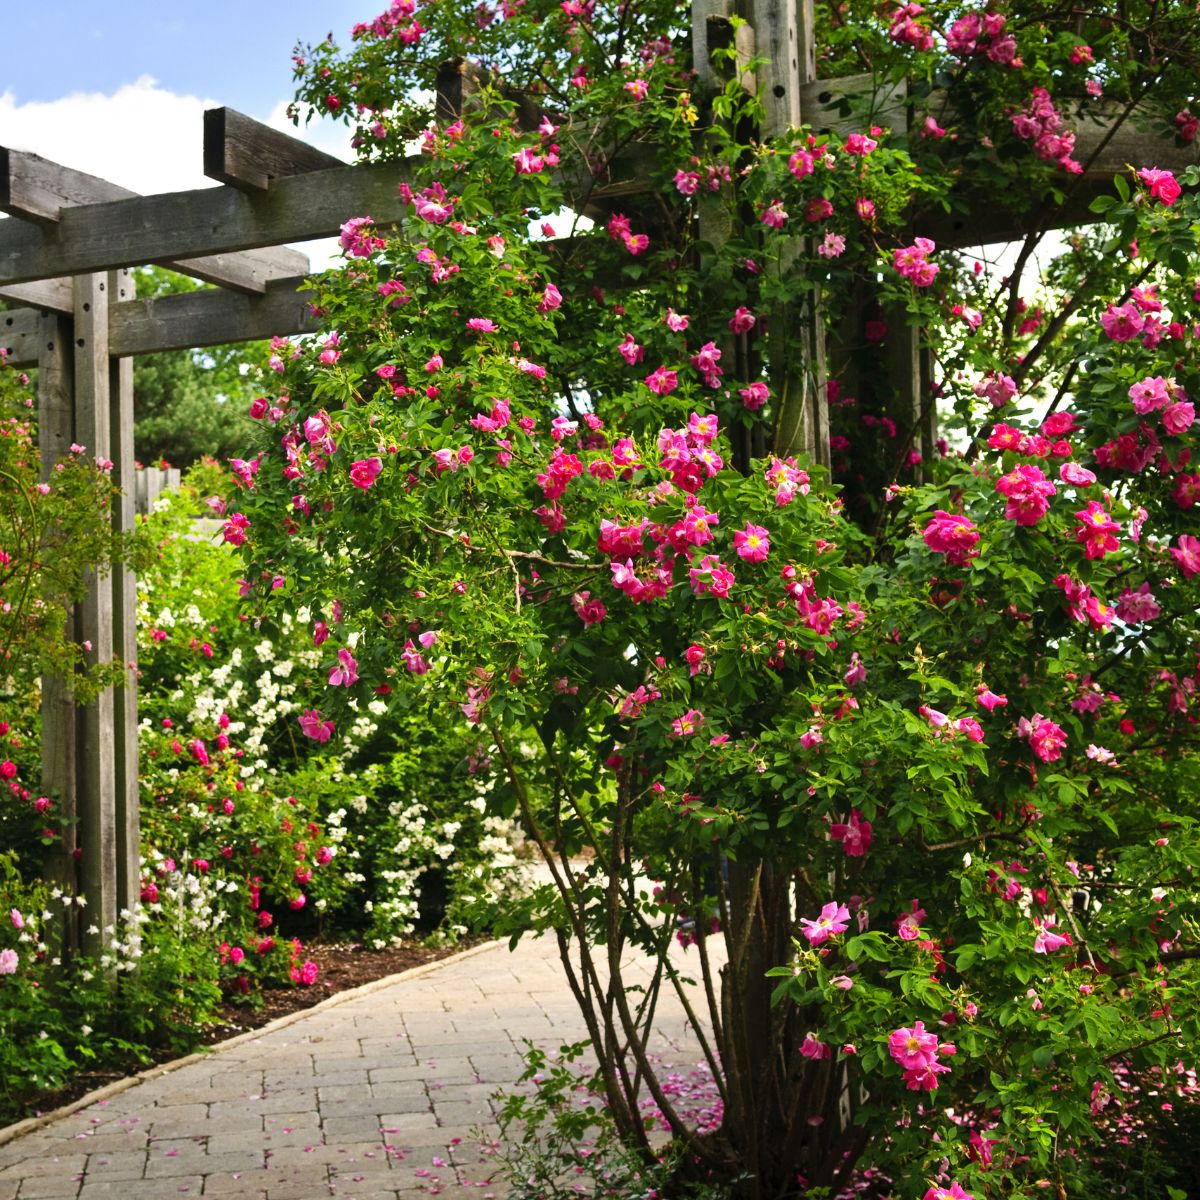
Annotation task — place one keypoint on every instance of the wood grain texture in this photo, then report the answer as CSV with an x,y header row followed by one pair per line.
x,y
123,587
21,334
209,318
246,154
52,355
49,295
205,222
96,760
777,38
39,191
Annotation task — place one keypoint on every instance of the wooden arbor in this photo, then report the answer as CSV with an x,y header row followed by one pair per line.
x,y
66,258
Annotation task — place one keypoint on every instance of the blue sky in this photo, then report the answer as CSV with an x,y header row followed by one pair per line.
x,y
118,88
238,53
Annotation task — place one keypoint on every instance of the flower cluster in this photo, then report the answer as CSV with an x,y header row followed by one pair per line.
x,y
1039,122
918,1051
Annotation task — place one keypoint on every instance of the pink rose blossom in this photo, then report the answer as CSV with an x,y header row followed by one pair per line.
x,y
1186,554
1047,939
855,835
662,382
346,672
752,543
833,920
313,727
1161,184
364,472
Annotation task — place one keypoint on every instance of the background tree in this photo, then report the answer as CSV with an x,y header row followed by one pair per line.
x,y
191,403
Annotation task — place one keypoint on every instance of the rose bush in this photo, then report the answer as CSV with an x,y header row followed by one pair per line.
x,y
917,736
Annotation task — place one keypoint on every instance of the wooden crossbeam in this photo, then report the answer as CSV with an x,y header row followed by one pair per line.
x,y
21,335
50,295
185,321
209,318
247,154
39,191
207,221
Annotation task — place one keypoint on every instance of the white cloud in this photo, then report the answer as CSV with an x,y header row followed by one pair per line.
x,y
142,136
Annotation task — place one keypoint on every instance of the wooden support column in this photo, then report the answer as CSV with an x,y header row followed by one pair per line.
x,y
56,432
911,402
798,372
122,290
96,785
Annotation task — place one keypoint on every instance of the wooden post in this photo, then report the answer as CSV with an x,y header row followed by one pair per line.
x,y
122,289
56,432
96,786
909,404
798,372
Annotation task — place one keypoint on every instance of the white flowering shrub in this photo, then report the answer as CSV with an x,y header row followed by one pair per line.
x,y
262,836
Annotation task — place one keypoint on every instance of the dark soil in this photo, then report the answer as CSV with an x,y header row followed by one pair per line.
x,y
343,966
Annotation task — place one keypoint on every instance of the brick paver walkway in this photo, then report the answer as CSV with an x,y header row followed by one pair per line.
x,y
379,1095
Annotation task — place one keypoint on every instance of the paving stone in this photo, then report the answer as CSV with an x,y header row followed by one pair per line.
x,y
398,1074
235,1185
143,1189
306,1188
169,1169
128,1164
49,1187
289,1122
55,1164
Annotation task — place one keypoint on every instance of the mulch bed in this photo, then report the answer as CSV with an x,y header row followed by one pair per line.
x,y
343,966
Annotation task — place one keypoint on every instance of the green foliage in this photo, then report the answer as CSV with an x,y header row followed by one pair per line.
x,y
51,531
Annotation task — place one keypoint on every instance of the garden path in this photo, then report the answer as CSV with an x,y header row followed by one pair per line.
x,y
378,1094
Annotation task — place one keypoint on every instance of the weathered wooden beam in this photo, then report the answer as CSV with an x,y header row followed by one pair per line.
x,y
777,39
208,221
51,346
96,766
798,372
1105,147
183,321
122,290
458,87
22,335
850,104
50,295
209,318
38,191
247,154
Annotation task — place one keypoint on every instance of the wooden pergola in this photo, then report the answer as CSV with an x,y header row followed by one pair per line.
x,y
66,259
